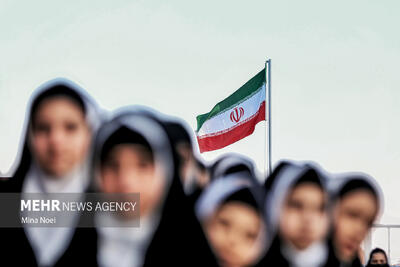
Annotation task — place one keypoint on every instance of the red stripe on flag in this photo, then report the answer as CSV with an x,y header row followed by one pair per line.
x,y
219,141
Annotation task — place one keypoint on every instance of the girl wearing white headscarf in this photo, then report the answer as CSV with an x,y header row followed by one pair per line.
x,y
231,212
135,154
60,121
297,204
357,202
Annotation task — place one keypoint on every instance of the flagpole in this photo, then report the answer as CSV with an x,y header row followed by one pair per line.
x,y
268,116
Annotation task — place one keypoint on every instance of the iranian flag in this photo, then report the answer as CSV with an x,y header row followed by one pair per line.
x,y
233,118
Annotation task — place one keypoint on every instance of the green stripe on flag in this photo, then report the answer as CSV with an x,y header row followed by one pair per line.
x,y
246,91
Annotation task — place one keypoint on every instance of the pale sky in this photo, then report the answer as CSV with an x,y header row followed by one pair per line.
x,y
335,86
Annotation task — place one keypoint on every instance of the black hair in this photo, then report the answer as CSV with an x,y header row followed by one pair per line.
x,y
356,184
377,250
238,168
178,133
56,91
245,196
270,180
123,136
243,166
310,176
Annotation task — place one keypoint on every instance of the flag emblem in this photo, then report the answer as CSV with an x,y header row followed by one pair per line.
x,y
237,114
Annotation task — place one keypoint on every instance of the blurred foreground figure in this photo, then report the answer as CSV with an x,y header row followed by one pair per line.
x,y
231,213
357,202
297,202
133,154
378,258
53,158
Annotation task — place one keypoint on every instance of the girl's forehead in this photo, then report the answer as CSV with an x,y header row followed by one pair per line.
x,y
304,188
358,195
240,212
125,149
378,255
59,90
58,111
361,201
60,101
306,185
238,208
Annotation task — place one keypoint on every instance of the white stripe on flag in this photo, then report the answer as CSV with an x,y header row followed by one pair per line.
x,y
222,121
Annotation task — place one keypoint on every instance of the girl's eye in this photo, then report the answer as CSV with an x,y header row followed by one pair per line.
x,y
144,164
71,127
225,223
353,214
111,164
42,128
295,205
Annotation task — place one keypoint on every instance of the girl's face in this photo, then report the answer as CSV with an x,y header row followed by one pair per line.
x,y
378,258
190,173
304,219
353,217
60,136
129,168
233,233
